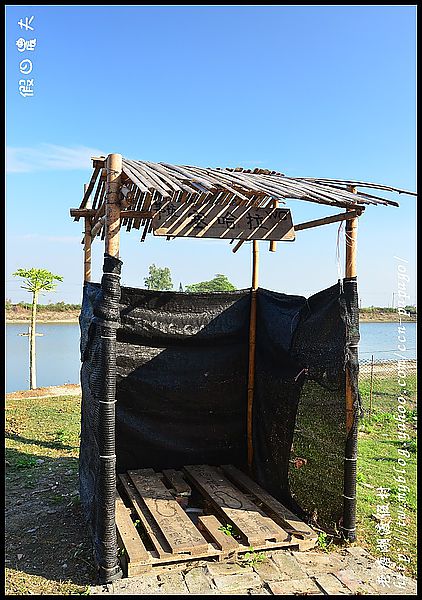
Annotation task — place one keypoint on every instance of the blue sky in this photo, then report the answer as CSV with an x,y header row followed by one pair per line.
x,y
319,91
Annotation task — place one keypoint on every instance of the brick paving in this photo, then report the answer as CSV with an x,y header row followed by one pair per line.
x,y
351,571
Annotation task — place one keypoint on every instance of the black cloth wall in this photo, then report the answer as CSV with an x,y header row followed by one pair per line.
x,y
182,364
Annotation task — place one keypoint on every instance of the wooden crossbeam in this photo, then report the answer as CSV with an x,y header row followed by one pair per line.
x,y
129,214
350,214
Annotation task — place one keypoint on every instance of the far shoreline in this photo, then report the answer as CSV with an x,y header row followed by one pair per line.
x,y
43,322
76,321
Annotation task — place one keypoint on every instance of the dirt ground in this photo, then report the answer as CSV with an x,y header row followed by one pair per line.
x,y
70,389
47,548
46,537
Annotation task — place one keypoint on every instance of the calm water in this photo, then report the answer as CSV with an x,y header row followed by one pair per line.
x,y
58,351
57,355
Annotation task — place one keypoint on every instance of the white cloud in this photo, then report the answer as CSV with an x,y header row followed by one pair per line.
x,y
49,157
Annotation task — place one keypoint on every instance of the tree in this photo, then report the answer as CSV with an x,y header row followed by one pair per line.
x,y
220,283
159,279
36,282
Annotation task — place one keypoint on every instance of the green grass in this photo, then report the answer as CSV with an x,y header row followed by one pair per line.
x,y
377,456
320,434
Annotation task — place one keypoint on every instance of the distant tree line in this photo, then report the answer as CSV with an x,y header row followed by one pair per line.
x,y
56,307
159,279
387,309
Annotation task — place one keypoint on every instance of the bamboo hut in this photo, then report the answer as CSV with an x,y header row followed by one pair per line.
x,y
292,383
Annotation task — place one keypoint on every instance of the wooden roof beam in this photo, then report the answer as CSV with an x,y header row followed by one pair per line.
x,y
350,214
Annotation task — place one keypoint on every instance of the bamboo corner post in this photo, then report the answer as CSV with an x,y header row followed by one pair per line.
x,y
252,344
351,243
107,412
350,271
112,216
349,511
87,241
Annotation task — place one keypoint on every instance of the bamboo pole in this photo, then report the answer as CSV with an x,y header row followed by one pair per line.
x,y
106,521
255,264
349,506
252,344
349,214
114,171
87,240
351,243
351,251
273,244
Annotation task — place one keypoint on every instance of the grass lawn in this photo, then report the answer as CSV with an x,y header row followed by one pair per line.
x,y
377,456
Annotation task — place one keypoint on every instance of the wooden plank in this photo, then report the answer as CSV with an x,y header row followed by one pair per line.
x,y
177,482
284,517
150,526
128,213
179,531
90,186
211,220
212,525
235,507
135,551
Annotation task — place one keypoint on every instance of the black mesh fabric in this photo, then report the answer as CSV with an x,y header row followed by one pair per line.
x,y
97,467
181,389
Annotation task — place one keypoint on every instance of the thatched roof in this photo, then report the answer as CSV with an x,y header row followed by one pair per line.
x,y
147,185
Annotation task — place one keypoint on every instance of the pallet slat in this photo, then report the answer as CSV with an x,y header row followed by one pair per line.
x,y
177,482
212,525
151,528
235,507
135,551
179,531
288,520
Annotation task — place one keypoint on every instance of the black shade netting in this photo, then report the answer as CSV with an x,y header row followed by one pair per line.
x,y
181,389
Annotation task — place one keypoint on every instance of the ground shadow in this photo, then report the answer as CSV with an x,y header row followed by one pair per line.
x,y
44,444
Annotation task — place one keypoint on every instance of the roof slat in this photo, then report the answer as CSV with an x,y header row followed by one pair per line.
x,y
162,182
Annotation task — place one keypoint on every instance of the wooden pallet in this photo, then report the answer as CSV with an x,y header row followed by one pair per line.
x,y
154,528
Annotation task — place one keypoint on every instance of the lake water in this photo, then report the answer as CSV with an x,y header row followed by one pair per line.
x,y
58,351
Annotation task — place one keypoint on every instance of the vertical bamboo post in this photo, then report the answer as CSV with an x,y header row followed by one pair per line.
x,y
349,510
351,252
87,242
351,242
255,264
273,244
252,344
106,518
112,224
